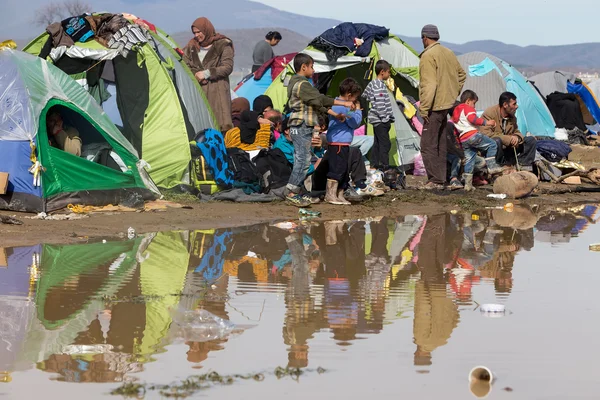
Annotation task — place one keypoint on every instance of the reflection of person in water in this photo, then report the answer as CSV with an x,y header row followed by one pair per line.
x,y
62,136
302,319
436,315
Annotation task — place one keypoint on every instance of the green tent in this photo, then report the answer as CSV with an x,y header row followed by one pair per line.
x,y
153,94
405,71
108,171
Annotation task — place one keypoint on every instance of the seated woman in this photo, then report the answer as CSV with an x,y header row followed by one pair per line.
x,y
253,134
61,136
238,106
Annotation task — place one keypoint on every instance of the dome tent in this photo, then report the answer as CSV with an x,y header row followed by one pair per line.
x,y
489,77
329,74
156,98
29,87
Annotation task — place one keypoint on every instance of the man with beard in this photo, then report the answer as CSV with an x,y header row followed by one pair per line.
x,y
506,133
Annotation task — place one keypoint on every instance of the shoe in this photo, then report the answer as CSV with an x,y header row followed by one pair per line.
x,y
313,200
296,200
431,186
369,191
479,181
352,195
331,193
341,198
455,184
492,166
468,182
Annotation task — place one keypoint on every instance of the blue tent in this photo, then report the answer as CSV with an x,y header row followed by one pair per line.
x,y
488,76
587,96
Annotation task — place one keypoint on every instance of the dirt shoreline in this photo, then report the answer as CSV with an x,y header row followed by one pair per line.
x,y
212,215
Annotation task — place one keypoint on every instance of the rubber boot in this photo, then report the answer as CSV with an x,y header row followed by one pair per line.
x,y
331,193
492,166
341,198
468,182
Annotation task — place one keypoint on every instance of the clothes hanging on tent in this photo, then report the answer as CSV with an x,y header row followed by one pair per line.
x,y
565,110
126,38
342,39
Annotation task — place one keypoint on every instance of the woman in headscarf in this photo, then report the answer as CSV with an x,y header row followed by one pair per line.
x,y
238,106
262,104
254,133
210,57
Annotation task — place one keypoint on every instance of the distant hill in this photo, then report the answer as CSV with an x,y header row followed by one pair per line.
x,y
245,39
572,56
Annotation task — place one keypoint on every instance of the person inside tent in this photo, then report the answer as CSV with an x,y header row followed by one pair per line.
x,y
263,51
62,136
210,57
511,142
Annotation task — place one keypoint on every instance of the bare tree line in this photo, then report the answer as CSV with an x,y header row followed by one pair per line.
x,y
55,12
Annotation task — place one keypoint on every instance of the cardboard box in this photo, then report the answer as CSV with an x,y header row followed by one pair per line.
x,y
3,182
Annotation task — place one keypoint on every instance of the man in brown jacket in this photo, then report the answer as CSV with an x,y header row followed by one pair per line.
x,y
506,133
441,81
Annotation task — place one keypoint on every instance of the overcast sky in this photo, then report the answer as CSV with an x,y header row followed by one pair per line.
x,y
543,22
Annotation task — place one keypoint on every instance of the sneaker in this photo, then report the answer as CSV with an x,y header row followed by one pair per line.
x,y
455,184
352,195
370,191
297,200
312,200
432,186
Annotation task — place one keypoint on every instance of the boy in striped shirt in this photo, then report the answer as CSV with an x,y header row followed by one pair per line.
x,y
381,115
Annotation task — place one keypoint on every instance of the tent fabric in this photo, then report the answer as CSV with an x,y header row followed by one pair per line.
x,y
588,97
328,75
552,81
533,115
341,39
160,104
29,86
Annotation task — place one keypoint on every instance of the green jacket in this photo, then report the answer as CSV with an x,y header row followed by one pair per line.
x,y
306,102
442,79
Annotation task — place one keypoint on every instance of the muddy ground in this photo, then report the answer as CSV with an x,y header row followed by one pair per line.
x,y
209,215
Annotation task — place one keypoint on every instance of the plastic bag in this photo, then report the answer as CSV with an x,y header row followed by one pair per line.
x,y
419,166
201,326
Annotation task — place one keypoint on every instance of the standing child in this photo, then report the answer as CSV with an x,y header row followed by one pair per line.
x,y
381,115
466,123
339,137
305,103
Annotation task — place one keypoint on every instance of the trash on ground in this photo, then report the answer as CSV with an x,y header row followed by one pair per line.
x,y
499,196
5,219
309,213
475,217
200,325
130,233
509,207
60,217
285,225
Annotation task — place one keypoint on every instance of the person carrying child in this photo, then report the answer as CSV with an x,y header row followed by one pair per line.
x,y
339,137
305,103
466,124
381,115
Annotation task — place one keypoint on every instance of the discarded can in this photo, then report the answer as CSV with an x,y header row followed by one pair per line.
x,y
130,233
309,213
480,381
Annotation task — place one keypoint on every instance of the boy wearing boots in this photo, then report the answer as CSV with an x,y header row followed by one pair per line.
x,y
466,124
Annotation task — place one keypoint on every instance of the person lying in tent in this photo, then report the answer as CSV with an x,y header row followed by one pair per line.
x,y
511,142
61,136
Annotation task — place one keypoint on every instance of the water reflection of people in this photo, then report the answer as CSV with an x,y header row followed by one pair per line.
x,y
436,314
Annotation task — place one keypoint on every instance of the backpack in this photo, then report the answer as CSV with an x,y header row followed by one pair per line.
x,y
553,150
273,167
243,168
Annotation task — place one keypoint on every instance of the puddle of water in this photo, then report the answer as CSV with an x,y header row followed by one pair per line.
x,y
386,306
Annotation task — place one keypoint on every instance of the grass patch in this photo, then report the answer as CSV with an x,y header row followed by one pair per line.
x,y
178,197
